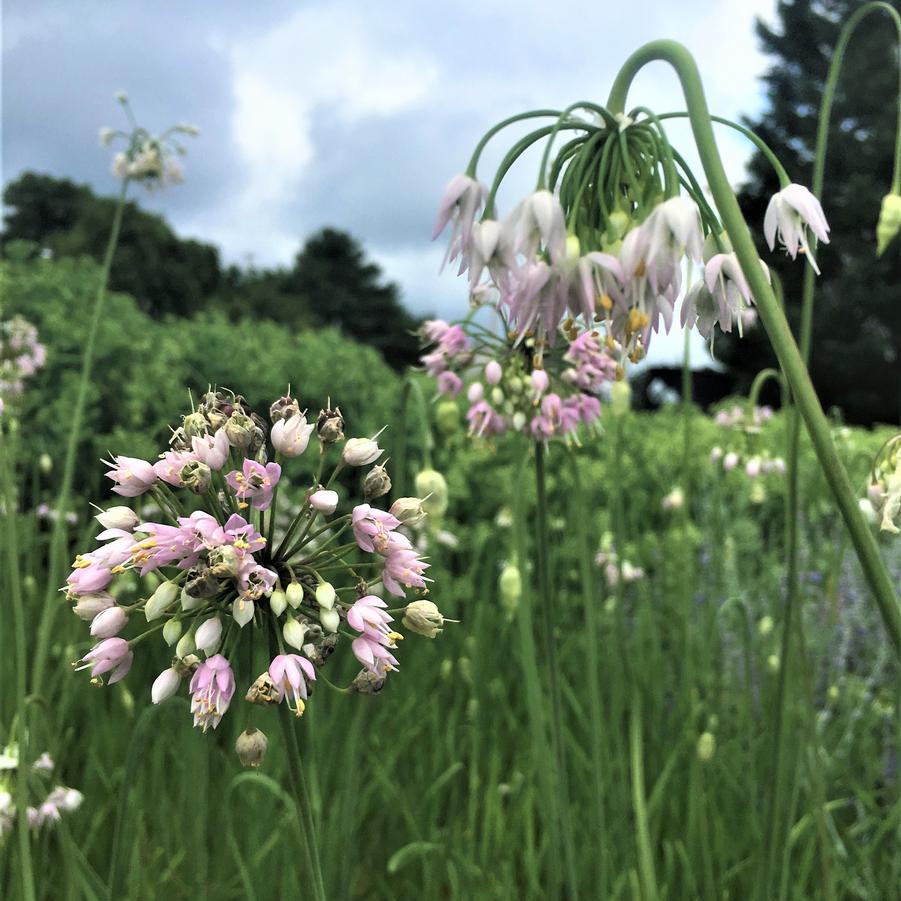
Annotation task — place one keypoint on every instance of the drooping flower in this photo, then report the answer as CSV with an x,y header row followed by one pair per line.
x,y
291,673
461,202
212,688
112,655
790,215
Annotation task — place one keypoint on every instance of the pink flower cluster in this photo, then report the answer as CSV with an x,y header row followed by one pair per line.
x,y
219,571
58,801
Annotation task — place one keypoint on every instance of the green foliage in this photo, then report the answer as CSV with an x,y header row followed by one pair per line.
x,y
857,318
146,369
164,273
330,285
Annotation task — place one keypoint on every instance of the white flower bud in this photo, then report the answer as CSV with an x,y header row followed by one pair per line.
x,y
293,633
493,372
360,451
160,601
330,620
278,602
294,594
165,685
118,518
324,501
325,595
476,393
208,635
108,622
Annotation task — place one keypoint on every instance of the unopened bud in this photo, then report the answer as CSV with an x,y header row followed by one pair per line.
x,y
706,747
172,631
294,594
325,595
423,618
160,601
408,510
278,602
294,633
773,663
330,620
208,635
765,625
251,746
510,585
432,488
360,451
447,417
493,372
185,645
89,605
45,462
324,501
118,518
889,222
376,484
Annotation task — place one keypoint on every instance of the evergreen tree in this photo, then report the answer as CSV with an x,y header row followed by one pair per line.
x,y
856,346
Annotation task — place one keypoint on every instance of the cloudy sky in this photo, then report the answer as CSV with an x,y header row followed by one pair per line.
x,y
341,112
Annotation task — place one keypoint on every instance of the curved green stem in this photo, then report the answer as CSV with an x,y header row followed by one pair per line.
x,y
520,117
57,546
756,140
771,315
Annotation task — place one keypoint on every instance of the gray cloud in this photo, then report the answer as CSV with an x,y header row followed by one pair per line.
x,y
345,113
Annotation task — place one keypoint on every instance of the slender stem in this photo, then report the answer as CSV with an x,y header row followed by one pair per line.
x,y
536,705
772,316
11,507
639,804
595,707
546,595
299,787
58,536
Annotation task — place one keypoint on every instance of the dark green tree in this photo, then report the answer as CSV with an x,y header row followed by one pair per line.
x,y
164,273
345,290
856,345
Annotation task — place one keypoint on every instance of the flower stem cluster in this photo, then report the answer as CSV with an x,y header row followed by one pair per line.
x,y
604,238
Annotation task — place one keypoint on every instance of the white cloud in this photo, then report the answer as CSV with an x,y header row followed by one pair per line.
x,y
320,61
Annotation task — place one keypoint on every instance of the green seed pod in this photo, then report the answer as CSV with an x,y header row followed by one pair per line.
x,y
432,488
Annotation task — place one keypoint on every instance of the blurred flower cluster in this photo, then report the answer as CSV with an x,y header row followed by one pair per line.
x,y
149,159
511,388
742,424
21,355
56,801
884,490
225,569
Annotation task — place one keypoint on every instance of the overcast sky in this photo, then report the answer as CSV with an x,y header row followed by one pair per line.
x,y
346,113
